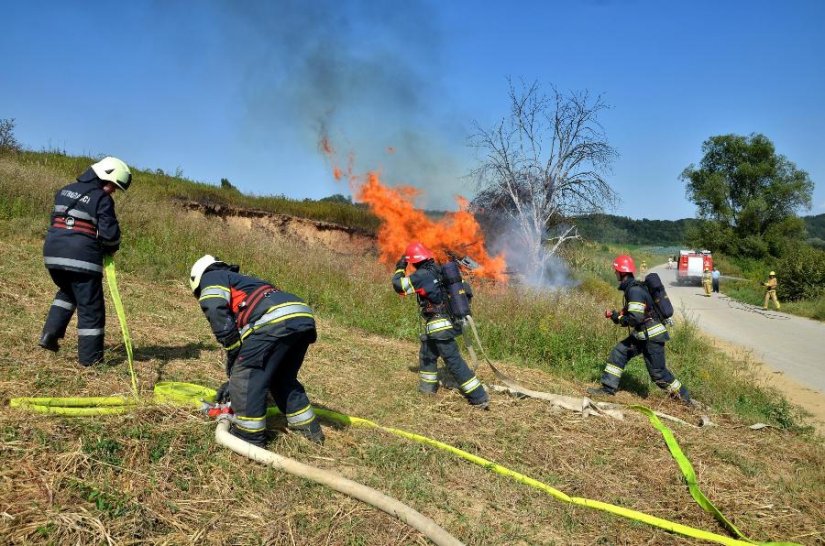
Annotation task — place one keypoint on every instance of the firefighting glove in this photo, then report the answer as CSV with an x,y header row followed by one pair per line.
x,y
401,264
614,316
222,397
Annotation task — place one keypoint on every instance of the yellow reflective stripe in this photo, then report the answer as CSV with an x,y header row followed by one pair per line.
x,y
613,370
301,417
233,346
278,313
406,286
402,271
428,377
212,297
651,332
636,306
470,385
438,325
250,424
214,291
675,386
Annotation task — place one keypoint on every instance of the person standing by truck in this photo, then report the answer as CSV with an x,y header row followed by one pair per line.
x,y
714,276
770,292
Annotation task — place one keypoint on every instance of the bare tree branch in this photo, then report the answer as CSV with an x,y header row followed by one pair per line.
x,y
542,164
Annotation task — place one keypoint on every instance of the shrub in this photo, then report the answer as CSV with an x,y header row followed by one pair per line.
x,y
802,272
8,142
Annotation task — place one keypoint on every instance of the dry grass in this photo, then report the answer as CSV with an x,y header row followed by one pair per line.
x,y
157,477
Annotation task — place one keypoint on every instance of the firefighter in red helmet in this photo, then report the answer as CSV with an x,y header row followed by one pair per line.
x,y
647,337
440,330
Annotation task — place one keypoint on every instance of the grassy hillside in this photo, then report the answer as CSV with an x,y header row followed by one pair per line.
x,y
157,475
608,228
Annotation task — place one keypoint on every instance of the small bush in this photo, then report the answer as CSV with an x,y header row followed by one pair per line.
x,y
8,142
802,273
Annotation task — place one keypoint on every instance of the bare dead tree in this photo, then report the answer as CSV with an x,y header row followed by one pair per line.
x,y
541,165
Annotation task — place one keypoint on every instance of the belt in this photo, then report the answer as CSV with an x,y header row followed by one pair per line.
x,y
73,224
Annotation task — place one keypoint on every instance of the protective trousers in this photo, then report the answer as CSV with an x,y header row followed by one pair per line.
x,y
653,353
84,292
707,285
269,364
428,355
770,295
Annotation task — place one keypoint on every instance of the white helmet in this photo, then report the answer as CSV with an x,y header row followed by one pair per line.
x,y
113,170
198,269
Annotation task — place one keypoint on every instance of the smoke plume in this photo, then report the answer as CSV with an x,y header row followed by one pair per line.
x,y
362,73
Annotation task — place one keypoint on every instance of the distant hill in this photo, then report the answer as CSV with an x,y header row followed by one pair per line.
x,y
607,228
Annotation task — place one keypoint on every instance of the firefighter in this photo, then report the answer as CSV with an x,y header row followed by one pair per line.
x,y
647,337
707,281
440,329
83,229
643,267
265,333
770,292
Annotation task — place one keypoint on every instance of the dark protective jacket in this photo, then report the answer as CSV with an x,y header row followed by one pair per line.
x,y
638,312
239,306
426,284
83,227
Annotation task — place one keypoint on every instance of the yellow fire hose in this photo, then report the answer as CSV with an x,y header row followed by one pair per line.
x,y
196,396
111,279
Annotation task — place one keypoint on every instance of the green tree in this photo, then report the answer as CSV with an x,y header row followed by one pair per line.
x,y
747,194
8,142
227,185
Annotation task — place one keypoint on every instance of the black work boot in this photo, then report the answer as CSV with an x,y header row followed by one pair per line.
x,y
481,402
427,388
683,396
600,392
49,342
311,432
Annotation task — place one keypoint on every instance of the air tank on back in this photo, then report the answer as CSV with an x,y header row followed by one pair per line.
x,y
456,289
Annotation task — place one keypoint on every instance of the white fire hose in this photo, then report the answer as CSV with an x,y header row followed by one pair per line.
x,y
408,515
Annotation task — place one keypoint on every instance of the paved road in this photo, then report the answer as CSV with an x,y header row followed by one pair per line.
x,y
792,345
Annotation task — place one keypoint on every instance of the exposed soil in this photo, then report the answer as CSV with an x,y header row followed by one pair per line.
x,y
313,233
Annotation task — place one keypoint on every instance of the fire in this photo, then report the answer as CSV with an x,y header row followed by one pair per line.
x,y
402,223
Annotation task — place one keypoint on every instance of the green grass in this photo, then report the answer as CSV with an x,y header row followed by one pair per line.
x,y
157,476
563,332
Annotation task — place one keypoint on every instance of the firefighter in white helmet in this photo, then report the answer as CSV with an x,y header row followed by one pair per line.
x,y
770,291
266,333
83,229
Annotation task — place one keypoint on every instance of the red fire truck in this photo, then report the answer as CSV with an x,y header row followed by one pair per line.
x,y
692,263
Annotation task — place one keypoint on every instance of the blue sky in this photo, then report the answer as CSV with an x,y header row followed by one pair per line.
x,y
242,90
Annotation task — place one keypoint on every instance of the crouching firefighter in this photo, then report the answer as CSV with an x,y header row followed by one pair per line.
x,y
266,333
83,229
440,330
647,336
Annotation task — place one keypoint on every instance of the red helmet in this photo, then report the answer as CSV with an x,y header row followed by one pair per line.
x,y
417,253
624,264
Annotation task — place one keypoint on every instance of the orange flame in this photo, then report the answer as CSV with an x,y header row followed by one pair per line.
x,y
402,223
